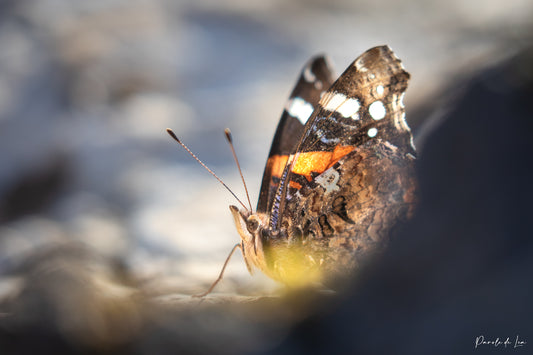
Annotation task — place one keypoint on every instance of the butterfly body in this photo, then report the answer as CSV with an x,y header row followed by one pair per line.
x,y
339,175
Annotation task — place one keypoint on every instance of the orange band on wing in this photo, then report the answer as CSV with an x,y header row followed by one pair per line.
x,y
277,163
318,162
295,185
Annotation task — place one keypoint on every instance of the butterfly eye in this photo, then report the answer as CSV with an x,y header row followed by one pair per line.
x,y
252,225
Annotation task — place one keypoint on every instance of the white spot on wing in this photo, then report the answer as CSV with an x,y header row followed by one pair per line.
x,y
349,107
308,75
328,180
300,109
380,90
333,100
372,132
377,110
360,65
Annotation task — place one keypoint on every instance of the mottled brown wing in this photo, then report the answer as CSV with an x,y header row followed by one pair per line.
x,y
346,213
315,78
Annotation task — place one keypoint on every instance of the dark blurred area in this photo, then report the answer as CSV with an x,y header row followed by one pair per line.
x,y
106,227
461,268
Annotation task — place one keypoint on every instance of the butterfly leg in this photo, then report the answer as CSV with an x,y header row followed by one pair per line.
x,y
235,247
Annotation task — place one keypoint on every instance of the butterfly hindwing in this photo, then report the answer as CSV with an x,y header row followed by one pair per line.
x,y
314,79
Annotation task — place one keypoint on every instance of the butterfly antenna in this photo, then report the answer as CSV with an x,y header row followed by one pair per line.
x,y
230,141
171,133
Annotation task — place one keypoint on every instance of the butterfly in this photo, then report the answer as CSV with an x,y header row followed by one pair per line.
x,y
339,175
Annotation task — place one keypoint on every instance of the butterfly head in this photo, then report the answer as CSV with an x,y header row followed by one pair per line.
x,y
250,227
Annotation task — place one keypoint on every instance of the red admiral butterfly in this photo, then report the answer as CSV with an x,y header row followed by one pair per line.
x,y
338,176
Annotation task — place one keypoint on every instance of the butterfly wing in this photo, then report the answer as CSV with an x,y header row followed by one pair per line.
x,y
314,79
349,179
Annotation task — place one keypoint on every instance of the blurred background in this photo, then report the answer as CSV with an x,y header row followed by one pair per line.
x,y
95,198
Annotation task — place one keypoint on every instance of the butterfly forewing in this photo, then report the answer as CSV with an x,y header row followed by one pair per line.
x,y
364,104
